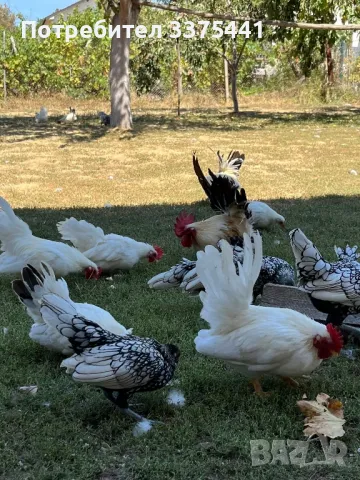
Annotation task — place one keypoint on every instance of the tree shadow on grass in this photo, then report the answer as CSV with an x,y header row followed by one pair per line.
x,y
88,128
24,129
215,119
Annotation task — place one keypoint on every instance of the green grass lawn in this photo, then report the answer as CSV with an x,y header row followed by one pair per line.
x,y
297,160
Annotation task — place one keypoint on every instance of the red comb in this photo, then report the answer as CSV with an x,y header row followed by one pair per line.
x,y
336,337
91,273
159,251
182,221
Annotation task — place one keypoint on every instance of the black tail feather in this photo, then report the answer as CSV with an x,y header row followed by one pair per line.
x,y
31,277
221,191
19,288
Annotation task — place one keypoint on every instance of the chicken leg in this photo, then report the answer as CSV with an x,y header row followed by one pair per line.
x,y
291,382
258,388
121,401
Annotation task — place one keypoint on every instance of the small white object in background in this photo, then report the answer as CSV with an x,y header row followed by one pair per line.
x,y
111,177
142,427
109,279
176,398
5,331
353,172
107,205
69,117
29,389
42,116
112,286
59,189
348,354
46,404
277,242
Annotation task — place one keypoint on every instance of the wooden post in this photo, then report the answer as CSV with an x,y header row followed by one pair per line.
x,y
226,80
4,77
179,76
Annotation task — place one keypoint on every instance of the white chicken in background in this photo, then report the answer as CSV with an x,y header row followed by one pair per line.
x,y
256,340
69,117
21,247
110,252
42,116
263,217
32,289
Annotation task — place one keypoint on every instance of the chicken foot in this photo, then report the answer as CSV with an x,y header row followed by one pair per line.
x,y
258,388
121,401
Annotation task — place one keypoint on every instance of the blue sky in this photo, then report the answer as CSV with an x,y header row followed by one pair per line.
x,y
34,9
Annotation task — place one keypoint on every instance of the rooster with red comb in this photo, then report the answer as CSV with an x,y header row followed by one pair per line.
x,y
226,199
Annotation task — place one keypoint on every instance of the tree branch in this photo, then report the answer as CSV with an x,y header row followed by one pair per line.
x,y
228,16
240,53
222,54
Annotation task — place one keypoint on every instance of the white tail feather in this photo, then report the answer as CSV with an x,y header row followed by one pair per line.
x,y
58,313
12,228
227,295
83,235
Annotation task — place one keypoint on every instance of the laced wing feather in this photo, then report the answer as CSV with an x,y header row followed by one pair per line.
x,y
174,277
128,364
81,332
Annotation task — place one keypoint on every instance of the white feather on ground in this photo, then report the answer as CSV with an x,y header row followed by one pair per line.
x,y
176,398
142,427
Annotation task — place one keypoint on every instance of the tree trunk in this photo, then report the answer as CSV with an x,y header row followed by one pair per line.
x,y
226,80
179,76
234,65
234,88
119,67
330,64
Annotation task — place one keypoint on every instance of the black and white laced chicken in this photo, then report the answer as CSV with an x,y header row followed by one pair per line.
x,y
184,275
35,284
334,287
120,365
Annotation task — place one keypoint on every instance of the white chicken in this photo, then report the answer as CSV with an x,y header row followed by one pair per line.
x,y
21,247
42,116
69,117
32,289
263,217
110,252
256,340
